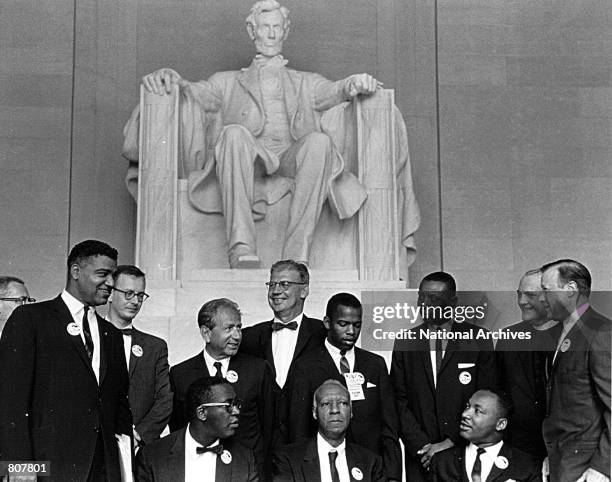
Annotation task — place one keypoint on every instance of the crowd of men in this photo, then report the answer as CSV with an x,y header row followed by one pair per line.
x,y
294,398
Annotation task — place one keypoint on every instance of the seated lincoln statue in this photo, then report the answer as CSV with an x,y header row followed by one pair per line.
x,y
252,136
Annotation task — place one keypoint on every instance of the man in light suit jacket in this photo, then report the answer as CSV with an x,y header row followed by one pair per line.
x,y
204,451
577,424
63,376
146,357
328,457
251,377
487,457
290,336
374,423
433,378
270,114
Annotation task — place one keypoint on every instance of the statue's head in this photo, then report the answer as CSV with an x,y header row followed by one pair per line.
x,y
268,26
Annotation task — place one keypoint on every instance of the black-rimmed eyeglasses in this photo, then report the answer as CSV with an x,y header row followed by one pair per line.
x,y
21,300
129,294
284,285
229,406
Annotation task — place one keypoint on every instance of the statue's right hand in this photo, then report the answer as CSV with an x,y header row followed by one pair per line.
x,y
161,81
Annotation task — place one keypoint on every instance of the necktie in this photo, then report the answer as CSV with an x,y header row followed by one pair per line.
x,y
219,373
89,345
292,325
344,364
126,331
439,353
335,476
217,449
477,469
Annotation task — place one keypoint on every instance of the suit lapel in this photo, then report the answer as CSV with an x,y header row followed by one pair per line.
x,y
496,472
353,462
460,463
424,354
65,318
223,471
137,339
105,347
291,86
310,465
249,79
267,345
303,337
175,468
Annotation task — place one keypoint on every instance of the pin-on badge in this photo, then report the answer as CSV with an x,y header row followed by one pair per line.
x,y
137,350
226,457
565,345
356,473
501,462
465,378
231,376
359,378
73,329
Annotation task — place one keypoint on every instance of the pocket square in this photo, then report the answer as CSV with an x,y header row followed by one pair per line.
x,y
370,385
461,366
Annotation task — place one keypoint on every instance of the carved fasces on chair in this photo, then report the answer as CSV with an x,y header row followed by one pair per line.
x,y
156,233
376,158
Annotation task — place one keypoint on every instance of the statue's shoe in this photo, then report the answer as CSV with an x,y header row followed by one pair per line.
x,y
243,257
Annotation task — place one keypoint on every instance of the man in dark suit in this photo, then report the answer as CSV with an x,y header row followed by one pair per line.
x,y
577,424
290,336
64,379
205,449
435,373
251,377
374,423
522,363
328,456
146,357
487,456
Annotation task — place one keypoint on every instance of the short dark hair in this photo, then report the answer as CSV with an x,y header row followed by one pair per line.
x,y
504,402
442,277
7,280
341,299
88,248
206,315
200,392
571,270
129,270
301,268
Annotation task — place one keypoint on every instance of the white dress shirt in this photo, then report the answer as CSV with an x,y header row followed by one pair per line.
x,y
446,326
335,354
324,448
487,459
127,345
199,467
283,347
210,364
76,308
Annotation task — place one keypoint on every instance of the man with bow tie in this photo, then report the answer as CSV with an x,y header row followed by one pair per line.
x,y
290,336
271,142
205,450
146,357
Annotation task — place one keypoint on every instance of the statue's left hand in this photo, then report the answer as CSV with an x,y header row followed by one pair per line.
x,y
362,84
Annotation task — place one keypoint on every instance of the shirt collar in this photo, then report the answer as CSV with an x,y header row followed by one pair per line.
x,y
334,351
210,361
491,451
324,447
74,305
573,318
276,61
191,444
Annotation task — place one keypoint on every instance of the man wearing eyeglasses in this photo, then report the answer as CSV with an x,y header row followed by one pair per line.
x,y
291,335
146,357
13,293
220,325
63,376
205,450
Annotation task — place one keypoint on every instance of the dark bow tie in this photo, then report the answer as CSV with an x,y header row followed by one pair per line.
x,y
127,331
277,325
217,449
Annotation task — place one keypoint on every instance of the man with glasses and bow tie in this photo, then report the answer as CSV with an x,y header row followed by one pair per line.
x,y
13,293
146,357
205,450
64,378
220,325
291,335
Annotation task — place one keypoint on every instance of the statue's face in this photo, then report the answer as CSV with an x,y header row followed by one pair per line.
x,y
269,33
